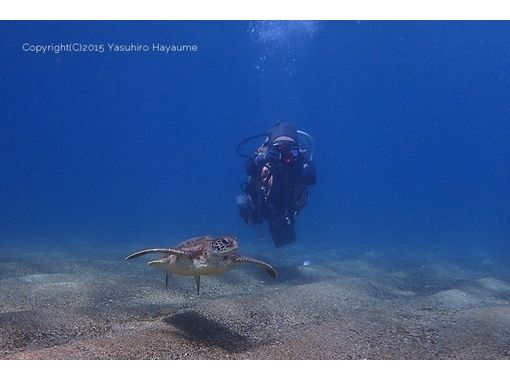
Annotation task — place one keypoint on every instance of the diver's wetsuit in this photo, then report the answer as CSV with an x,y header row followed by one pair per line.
x,y
282,200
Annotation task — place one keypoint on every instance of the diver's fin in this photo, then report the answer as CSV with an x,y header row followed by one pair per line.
x,y
262,238
261,264
167,275
197,280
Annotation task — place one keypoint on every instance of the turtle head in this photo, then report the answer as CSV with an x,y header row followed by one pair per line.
x,y
224,245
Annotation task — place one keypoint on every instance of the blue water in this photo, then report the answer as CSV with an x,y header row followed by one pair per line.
x,y
411,122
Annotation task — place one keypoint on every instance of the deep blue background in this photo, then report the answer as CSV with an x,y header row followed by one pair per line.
x,y
411,122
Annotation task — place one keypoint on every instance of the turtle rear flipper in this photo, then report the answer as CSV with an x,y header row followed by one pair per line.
x,y
261,264
197,281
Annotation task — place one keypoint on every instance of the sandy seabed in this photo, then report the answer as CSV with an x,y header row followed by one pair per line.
x,y
56,305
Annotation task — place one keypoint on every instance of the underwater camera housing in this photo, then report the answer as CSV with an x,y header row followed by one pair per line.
x,y
306,145
289,154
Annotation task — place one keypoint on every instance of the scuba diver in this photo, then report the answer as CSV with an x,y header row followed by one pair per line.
x,y
279,172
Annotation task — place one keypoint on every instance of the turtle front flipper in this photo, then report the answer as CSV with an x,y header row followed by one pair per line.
x,y
149,251
167,251
261,264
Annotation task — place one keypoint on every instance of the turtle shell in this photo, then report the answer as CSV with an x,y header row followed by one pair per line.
x,y
207,245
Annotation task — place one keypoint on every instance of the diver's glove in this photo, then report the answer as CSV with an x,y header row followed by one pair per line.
x,y
272,154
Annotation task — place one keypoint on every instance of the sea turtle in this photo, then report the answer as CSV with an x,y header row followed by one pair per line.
x,y
201,256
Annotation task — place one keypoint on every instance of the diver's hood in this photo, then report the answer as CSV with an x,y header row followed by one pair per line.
x,y
284,132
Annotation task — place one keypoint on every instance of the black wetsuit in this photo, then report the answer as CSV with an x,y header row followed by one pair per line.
x,y
286,197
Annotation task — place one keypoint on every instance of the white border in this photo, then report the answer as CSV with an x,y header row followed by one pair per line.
x,y
254,10
268,369
257,9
